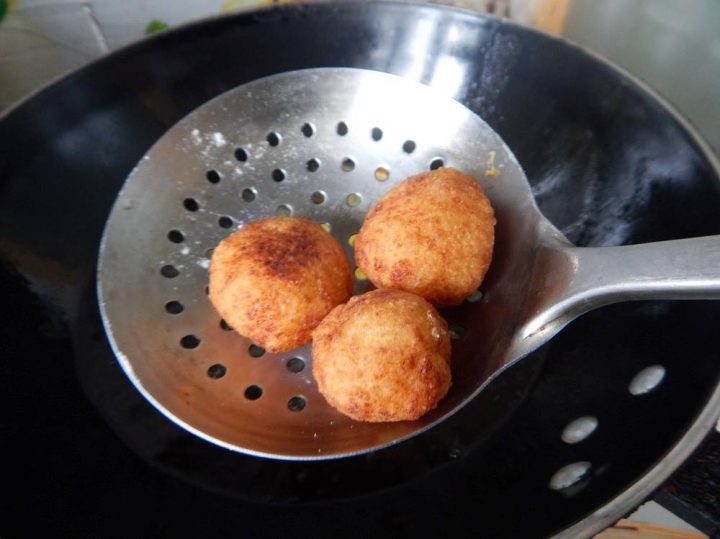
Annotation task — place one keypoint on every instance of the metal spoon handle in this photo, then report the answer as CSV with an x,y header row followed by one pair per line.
x,y
679,269
570,281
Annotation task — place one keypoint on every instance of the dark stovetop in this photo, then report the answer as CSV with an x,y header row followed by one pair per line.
x,y
693,492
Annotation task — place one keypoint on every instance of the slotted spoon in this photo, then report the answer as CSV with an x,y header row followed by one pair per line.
x,y
327,144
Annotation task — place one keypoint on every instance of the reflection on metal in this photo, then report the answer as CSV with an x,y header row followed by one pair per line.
x,y
579,429
569,475
647,380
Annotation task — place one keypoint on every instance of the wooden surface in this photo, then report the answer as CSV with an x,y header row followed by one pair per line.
x,y
550,15
628,529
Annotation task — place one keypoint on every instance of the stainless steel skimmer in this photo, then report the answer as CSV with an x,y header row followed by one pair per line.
x,y
326,144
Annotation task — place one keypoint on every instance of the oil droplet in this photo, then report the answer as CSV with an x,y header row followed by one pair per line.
x,y
474,297
353,200
382,174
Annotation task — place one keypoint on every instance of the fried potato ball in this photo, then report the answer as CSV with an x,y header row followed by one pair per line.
x,y
431,235
383,356
275,279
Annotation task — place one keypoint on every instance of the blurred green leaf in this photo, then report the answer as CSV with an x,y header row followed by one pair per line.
x,y
3,9
155,25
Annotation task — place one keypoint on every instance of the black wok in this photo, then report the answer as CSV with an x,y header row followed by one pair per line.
x,y
610,164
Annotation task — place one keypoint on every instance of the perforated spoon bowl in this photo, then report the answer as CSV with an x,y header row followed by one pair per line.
x,y
327,144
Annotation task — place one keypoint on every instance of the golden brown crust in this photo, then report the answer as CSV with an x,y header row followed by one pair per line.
x,y
431,235
275,279
383,356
